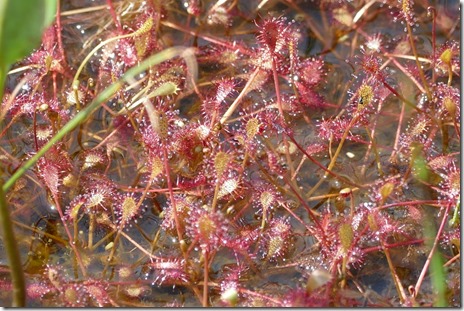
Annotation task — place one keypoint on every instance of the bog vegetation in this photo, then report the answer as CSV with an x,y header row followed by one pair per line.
x,y
236,153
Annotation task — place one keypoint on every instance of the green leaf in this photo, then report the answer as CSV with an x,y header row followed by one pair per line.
x,y
21,26
438,275
12,252
438,278
420,169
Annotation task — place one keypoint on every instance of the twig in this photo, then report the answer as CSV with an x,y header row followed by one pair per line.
x,y
237,101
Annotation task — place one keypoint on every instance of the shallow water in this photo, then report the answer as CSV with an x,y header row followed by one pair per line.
x,y
33,207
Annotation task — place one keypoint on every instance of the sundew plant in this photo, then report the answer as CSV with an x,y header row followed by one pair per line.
x,y
229,153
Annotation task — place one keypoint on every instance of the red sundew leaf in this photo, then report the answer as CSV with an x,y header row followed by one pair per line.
x,y
272,34
128,209
373,65
6,286
38,290
73,295
448,55
440,163
315,148
50,175
333,128
278,238
72,210
49,38
406,11
311,72
188,145
48,56
447,101
216,54
24,104
183,206
145,40
210,228
265,198
224,88
97,291
92,159
308,97
169,270
127,52
122,125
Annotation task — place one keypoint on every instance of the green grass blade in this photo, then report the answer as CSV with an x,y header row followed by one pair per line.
x,y
14,259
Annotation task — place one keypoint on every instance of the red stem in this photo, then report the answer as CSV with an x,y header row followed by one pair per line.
x,y
114,16
310,212
68,233
428,202
277,90
209,38
320,165
398,244
432,251
205,280
58,32
434,17
171,196
34,120
398,132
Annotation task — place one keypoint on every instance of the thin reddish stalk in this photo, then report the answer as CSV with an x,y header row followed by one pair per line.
x,y
310,230
398,132
114,15
413,203
455,258
282,117
238,99
68,233
34,130
58,31
431,10
207,37
205,279
277,91
432,251
259,295
333,161
396,279
341,178
393,245
311,213
173,202
419,67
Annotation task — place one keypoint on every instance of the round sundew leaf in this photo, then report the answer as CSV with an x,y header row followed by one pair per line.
x,y
129,210
266,199
252,128
220,163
